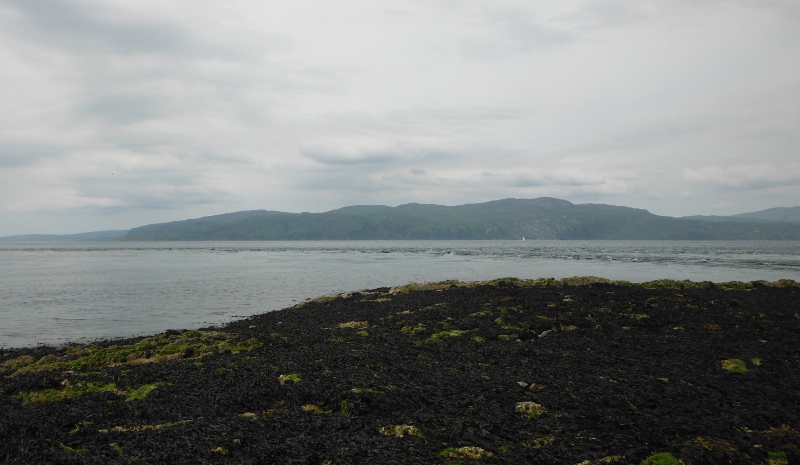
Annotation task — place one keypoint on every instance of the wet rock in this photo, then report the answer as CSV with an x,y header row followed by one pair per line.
x,y
314,392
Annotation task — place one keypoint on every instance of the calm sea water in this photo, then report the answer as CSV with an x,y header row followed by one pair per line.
x,y
59,293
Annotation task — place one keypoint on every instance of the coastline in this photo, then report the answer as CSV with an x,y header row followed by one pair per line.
x,y
55,295
433,373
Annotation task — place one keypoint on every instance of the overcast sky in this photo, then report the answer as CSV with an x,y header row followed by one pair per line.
x,y
120,113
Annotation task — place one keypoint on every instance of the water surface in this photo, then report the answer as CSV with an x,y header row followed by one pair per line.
x,y
56,293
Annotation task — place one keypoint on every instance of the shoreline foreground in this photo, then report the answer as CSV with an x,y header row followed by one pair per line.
x,y
574,371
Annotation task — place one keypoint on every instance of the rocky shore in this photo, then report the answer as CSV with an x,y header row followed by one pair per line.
x,y
578,371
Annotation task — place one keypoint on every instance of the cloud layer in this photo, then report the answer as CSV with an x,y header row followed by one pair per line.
x,y
117,114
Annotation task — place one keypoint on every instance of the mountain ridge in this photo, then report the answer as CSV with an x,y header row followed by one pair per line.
x,y
771,215
540,218
787,214
80,237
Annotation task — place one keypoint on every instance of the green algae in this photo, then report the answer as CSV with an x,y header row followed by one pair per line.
x,y
353,325
504,282
481,314
87,374
71,450
134,429
159,348
662,458
413,329
467,452
543,441
401,430
313,408
507,310
292,377
531,410
143,391
435,306
777,458
734,365
72,391
369,390
586,280
446,335
512,327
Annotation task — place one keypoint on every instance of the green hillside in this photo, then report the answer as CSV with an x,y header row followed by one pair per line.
x,y
542,218
93,236
785,214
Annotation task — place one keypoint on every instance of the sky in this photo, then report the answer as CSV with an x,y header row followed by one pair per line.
x,y
117,113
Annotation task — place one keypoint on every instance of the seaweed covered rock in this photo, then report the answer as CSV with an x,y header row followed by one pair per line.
x,y
576,371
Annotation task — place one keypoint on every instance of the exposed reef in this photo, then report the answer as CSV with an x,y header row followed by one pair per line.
x,y
574,371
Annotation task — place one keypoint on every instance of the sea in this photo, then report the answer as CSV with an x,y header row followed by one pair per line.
x,y
62,293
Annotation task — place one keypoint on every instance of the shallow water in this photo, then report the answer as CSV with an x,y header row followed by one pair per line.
x,y
58,293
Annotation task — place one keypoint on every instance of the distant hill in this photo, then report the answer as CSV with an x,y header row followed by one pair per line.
x,y
82,237
542,218
772,215
785,214
725,219
206,222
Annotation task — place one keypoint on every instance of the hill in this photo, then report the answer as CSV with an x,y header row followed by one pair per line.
x,y
770,215
542,218
82,237
785,214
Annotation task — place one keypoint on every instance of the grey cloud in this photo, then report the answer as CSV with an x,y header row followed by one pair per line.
x,y
115,102
27,153
331,181
125,70
458,174
744,177
91,28
781,7
576,179
267,104
421,120
369,158
596,14
643,134
522,180
545,177
610,13
467,117
229,157
148,189
510,32
125,107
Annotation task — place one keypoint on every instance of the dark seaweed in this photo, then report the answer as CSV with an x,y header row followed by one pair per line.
x,y
624,372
